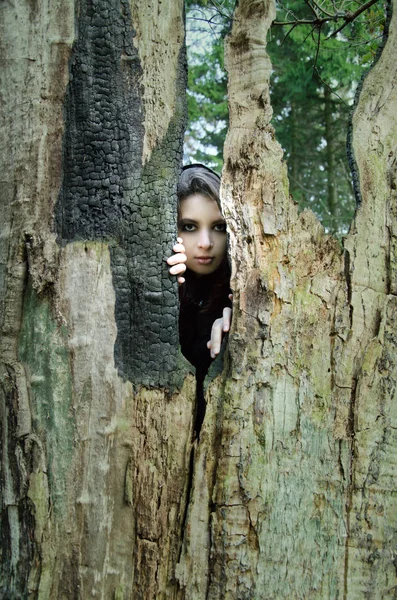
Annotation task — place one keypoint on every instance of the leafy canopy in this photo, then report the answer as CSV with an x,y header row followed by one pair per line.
x,y
316,69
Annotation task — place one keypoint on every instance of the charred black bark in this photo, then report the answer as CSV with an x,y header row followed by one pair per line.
x,y
107,194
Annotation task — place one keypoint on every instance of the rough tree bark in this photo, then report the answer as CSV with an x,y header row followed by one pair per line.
x,y
304,502
96,413
290,491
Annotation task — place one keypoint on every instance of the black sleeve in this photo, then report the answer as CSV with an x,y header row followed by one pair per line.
x,y
194,333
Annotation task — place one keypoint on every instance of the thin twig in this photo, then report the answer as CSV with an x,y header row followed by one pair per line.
x,y
330,88
317,49
288,33
307,2
351,45
305,189
288,11
218,8
346,17
313,22
309,34
320,8
351,16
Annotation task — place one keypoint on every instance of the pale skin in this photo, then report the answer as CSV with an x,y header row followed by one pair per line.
x,y
201,249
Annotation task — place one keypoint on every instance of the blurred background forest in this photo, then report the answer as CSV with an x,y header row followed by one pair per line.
x,y
319,52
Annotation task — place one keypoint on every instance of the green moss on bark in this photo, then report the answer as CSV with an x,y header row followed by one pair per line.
x,y
44,353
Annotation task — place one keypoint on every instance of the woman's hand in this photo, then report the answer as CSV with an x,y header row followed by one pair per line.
x,y
178,261
219,328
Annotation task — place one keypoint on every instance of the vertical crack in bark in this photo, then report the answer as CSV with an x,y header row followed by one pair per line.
x,y
350,488
187,501
340,462
216,452
199,417
388,254
347,272
197,545
18,543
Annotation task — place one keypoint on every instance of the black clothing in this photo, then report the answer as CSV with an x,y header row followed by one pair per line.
x,y
196,318
194,333
195,323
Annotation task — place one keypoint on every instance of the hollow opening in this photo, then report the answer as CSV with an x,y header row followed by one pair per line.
x,y
319,57
201,264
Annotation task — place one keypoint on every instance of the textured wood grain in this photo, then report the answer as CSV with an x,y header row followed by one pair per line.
x,y
290,491
303,501
95,465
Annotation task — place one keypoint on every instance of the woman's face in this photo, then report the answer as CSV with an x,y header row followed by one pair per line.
x,y
203,230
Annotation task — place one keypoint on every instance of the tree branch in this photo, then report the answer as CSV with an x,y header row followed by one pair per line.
x,y
307,2
346,17
351,16
317,49
321,9
329,87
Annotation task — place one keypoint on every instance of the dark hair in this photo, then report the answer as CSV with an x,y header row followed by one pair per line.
x,y
198,179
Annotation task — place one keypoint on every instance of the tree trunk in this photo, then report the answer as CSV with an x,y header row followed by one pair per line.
x,y
300,499
290,491
96,413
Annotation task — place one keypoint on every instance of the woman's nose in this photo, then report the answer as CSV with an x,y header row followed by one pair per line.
x,y
205,239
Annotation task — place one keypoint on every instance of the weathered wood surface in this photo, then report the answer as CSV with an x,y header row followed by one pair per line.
x,y
300,498
96,414
293,486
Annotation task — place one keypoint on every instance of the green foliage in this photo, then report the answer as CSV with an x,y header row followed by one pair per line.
x,y
207,24
313,84
312,89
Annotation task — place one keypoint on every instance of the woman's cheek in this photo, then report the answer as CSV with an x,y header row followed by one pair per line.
x,y
188,248
222,244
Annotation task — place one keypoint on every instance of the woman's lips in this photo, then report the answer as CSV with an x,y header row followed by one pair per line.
x,y
204,260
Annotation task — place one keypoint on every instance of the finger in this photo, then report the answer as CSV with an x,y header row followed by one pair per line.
x,y
181,280
179,248
176,259
177,269
179,240
227,313
216,337
231,297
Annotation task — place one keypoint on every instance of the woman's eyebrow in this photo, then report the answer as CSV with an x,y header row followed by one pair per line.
x,y
184,221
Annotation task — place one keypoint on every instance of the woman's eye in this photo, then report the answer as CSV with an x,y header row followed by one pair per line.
x,y
188,227
220,227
